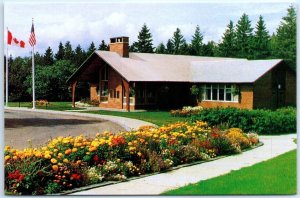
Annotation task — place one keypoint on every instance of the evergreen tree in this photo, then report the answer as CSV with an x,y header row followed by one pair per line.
x,y
209,49
69,53
244,37
133,47
144,43
91,49
80,56
261,40
48,57
178,41
184,49
103,46
38,59
197,42
227,48
170,47
286,38
61,52
160,49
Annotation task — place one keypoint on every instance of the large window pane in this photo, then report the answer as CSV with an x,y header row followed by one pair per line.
x,y
228,95
208,92
215,92
221,92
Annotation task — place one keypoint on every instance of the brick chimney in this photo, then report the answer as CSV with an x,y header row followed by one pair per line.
x,y
120,45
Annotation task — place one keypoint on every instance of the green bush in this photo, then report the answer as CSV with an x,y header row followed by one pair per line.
x,y
260,121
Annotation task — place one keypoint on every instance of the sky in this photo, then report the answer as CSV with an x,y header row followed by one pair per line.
x,y
84,22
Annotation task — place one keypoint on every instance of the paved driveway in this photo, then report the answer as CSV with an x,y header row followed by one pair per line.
x,y
21,126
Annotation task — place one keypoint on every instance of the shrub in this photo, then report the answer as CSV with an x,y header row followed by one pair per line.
x,y
261,121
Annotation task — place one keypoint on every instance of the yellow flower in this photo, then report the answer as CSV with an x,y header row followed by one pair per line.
x,y
7,157
6,148
53,161
74,149
15,157
65,160
139,154
47,156
129,143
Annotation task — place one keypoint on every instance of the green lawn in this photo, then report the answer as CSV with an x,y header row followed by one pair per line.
x,y
156,117
276,176
59,106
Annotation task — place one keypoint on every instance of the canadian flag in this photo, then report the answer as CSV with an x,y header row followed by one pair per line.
x,y
14,41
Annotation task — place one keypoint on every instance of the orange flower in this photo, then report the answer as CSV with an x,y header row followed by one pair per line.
x,y
68,151
55,167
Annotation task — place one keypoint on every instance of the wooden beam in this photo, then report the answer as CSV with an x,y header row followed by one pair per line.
x,y
126,86
73,93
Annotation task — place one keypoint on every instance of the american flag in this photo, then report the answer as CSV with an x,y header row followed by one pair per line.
x,y
32,40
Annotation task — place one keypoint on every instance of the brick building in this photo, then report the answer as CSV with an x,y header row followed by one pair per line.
x,y
122,80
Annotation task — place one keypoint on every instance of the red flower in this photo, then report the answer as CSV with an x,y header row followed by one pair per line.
x,y
75,176
96,158
16,175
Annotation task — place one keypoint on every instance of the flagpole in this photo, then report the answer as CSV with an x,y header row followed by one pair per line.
x,y
6,78
33,85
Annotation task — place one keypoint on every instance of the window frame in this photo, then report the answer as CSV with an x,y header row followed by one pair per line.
x,y
208,89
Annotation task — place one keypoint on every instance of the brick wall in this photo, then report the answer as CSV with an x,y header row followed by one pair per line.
x,y
245,100
120,48
93,92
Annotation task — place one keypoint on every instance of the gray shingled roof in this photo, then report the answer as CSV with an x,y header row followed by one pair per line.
x,y
179,68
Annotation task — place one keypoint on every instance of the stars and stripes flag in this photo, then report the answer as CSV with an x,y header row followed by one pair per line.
x,y
32,40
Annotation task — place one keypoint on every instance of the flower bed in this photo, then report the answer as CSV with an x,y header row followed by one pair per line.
x,y
71,162
186,111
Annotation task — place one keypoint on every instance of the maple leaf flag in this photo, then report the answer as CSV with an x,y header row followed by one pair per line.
x,y
14,41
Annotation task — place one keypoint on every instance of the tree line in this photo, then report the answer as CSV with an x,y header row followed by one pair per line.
x,y
238,41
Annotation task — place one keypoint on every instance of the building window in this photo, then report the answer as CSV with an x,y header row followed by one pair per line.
x,y
219,92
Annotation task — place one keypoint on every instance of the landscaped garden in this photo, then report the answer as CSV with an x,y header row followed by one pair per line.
x,y
71,162
276,176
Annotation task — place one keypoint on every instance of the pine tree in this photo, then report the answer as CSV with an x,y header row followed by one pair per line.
x,y
261,40
170,47
227,48
286,38
160,49
80,56
178,41
91,49
61,52
69,53
244,37
133,47
144,43
209,49
48,57
103,46
197,42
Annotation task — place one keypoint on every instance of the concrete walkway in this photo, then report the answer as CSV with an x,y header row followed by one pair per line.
x,y
157,184
127,123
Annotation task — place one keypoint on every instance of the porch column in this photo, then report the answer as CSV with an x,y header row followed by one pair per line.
x,y
126,87
73,93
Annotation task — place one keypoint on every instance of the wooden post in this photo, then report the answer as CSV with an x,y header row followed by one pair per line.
x,y
73,93
126,86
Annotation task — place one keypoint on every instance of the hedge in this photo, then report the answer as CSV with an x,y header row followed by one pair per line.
x,y
261,121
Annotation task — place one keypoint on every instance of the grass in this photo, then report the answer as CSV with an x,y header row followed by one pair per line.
x,y
156,117
59,106
276,176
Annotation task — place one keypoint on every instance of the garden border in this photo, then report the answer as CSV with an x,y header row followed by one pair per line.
x,y
106,183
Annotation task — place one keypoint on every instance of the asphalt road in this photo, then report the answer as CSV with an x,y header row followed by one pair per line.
x,y
23,129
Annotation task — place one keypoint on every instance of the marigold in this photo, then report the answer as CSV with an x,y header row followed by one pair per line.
x,y
7,157
74,150
65,160
55,167
68,151
53,161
